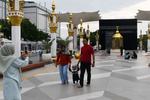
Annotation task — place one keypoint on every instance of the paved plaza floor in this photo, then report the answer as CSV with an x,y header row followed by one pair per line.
x,y
113,78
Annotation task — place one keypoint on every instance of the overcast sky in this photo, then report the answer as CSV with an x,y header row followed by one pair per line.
x,y
108,8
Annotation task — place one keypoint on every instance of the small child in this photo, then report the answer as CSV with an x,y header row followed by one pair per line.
x,y
75,76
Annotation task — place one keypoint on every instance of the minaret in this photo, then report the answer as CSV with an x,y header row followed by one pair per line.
x,y
70,33
53,30
15,14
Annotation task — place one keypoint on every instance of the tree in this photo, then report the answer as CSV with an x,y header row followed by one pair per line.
x,y
93,38
63,43
47,45
6,28
28,30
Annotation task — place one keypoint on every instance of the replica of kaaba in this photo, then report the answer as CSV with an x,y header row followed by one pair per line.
x,y
127,29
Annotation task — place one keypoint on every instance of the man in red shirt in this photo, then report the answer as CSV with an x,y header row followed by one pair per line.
x,y
87,60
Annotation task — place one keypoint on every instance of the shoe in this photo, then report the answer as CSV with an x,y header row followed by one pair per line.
x,y
67,82
79,86
87,84
63,83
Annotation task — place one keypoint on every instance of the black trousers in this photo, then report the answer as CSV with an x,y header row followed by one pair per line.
x,y
83,67
75,77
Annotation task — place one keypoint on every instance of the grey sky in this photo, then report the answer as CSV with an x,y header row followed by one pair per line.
x,y
89,5
108,9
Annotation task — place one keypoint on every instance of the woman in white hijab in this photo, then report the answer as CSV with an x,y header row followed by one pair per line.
x,y
10,67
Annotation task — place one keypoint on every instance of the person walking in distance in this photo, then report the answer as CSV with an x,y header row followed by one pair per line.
x,y
87,59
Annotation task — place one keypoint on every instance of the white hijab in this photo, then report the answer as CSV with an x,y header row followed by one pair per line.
x,y
6,57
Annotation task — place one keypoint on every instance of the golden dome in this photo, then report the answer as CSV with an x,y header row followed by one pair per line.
x,y
117,35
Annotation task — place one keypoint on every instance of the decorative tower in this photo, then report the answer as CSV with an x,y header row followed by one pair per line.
x,y
70,33
75,29
53,30
148,41
81,33
15,14
88,34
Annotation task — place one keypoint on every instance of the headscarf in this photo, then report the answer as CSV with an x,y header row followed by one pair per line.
x,y
6,57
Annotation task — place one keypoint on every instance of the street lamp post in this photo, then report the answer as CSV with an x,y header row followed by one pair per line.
x,y
53,30
15,14
70,33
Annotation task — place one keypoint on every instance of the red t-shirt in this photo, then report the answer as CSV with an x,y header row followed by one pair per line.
x,y
86,52
63,59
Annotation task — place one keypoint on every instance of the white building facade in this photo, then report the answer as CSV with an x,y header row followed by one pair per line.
x,y
37,14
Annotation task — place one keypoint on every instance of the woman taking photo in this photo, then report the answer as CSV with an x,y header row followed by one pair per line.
x,y
10,67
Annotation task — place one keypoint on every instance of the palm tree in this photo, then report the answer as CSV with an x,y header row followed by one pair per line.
x,y
47,45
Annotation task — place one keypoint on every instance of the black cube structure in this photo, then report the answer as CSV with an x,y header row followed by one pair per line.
x,y
127,28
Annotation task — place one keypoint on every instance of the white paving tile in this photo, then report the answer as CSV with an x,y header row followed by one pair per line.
x,y
135,73
85,96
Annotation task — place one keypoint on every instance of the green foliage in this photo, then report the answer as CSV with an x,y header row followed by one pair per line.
x,y
144,42
93,38
5,28
47,45
28,31
63,43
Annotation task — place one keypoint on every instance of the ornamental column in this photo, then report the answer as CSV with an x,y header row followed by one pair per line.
x,y
15,14
141,42
70,33
97,40
75,39
88,34
81,33
148,41
53,30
